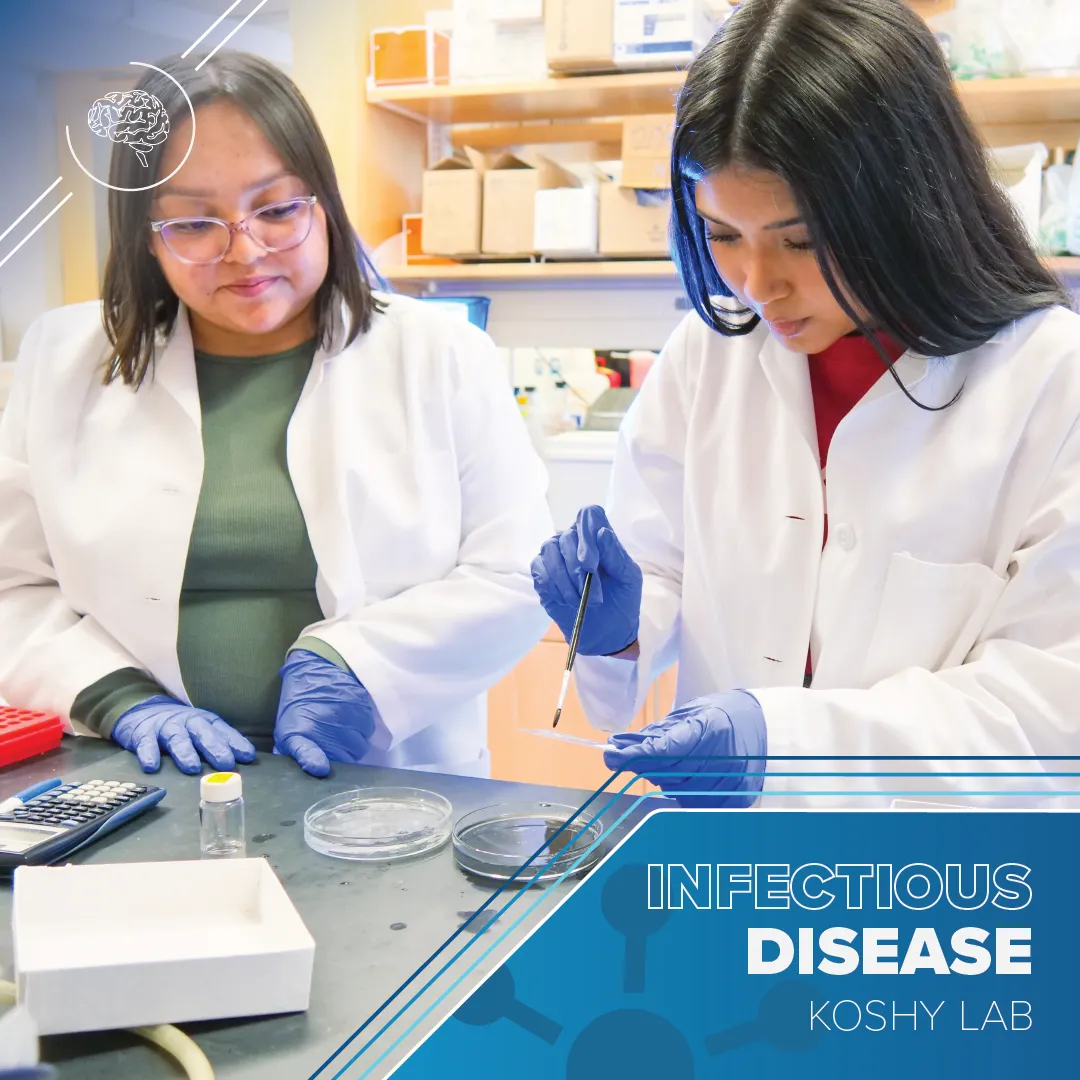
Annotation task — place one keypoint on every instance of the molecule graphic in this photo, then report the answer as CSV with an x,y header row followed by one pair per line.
x,y
132,117
636,1044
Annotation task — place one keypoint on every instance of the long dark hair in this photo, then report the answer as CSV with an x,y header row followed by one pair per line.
x,y
852,104
138,303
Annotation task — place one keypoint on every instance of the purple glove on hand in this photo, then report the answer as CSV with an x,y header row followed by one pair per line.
x,y
558,572
721,733
184,732
324,714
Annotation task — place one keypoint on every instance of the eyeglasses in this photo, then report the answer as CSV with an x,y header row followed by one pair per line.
x,y
277,227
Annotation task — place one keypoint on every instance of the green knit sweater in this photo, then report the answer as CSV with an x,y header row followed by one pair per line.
x,y
249,583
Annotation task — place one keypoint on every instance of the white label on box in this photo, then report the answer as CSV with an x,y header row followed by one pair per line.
x,y
567,221
483,50
659,28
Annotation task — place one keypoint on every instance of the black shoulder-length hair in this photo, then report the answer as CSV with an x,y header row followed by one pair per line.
x,y
138,303
852,104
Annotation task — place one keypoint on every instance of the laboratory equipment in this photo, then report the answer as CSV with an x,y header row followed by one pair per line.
x,y
493,843
472,309
579,470
128,944
221,816
607,412
25,734
574,639
62,820
378,824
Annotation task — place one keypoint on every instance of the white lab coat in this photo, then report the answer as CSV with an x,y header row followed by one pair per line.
x,y
944,612
423,498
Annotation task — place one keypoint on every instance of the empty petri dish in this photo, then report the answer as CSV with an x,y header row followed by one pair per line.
x,y
494,842
377,824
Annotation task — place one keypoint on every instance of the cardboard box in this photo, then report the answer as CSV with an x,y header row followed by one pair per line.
x,y
633,223
660,33
408,55
453,198
646,151
580,34
123,945
510,187
567,221
485,49
509,12
412,226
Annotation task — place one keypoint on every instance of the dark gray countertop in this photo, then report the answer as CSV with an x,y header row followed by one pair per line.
x,y
348,907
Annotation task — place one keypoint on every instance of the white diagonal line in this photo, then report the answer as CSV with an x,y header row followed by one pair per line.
x,y
207,31
31,207
36,227
229,35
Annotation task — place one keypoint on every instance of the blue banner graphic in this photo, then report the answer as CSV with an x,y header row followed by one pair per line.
x,y
729,943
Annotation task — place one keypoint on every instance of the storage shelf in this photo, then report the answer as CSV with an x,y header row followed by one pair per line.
x,y
1066,266
541,273
1001,102
573,97
654,269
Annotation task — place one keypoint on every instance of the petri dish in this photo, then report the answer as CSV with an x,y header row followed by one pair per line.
x,y
494,842
378,824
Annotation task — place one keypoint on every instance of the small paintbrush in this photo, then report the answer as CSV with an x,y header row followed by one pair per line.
x,y
574,637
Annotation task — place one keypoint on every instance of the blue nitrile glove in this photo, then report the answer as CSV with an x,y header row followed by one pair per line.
x,y
590,544
324,714
184,732
701,737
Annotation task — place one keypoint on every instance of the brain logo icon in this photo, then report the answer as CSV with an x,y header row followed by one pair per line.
x,y
132,117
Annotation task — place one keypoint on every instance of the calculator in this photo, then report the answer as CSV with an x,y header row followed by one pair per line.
x,y
67,818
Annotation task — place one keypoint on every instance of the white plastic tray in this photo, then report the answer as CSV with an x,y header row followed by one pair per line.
x,y
133,944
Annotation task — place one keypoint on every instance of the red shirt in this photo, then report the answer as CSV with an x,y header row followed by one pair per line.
x,y
839,378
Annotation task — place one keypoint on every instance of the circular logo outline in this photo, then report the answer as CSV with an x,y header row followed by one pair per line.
x,y
164,179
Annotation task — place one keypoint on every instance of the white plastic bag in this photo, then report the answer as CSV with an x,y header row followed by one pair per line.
x,y
1020,171
981,46
1054,224
1072,238
1045,35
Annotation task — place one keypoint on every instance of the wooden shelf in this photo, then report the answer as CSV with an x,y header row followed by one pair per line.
x,y
1021,101
578,97
993,102
541,273
644,270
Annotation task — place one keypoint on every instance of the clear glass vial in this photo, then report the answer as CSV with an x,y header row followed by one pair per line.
x,y
221,816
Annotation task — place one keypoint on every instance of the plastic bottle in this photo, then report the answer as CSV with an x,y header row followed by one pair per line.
x,y
221,816
529,406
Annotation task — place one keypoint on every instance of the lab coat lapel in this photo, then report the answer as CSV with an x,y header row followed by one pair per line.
x,y
789,375
317,454
174,369
911,370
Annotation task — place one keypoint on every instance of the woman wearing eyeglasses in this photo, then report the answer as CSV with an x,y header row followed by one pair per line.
x,y
245,501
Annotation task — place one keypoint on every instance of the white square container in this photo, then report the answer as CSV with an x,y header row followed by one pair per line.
x,y
133,944
567,221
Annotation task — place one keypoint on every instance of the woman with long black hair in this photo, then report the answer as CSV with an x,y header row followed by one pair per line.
x,y
877,358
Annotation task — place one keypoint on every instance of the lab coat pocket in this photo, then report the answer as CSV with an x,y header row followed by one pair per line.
x,y
931,615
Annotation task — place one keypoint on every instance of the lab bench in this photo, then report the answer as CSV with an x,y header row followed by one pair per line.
x,y
373,924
